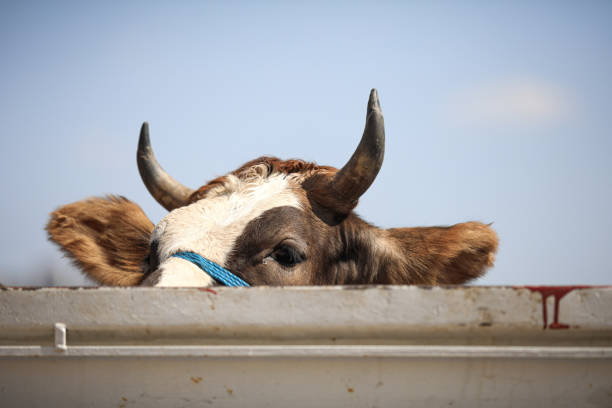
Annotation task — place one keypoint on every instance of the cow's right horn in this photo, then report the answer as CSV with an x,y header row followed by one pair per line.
x,y
167,191
342,192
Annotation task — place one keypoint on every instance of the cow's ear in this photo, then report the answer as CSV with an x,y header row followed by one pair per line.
x,y
444,255
107,238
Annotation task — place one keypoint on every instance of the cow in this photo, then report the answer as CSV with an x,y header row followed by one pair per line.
x,y
269,222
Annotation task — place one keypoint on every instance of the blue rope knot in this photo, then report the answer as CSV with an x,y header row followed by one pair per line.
x,y
216,271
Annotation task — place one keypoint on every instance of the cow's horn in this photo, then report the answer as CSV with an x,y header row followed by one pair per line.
x,y
363,166
167,191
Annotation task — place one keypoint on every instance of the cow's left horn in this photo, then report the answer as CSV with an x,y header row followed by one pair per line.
x,y
360,171
167,191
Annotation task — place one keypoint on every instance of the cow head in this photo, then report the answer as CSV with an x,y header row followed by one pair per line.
x,y
270,222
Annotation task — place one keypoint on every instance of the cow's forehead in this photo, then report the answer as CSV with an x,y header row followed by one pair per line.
x,y
211,226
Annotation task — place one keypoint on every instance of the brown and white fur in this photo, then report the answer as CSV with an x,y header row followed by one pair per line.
x,y
271,222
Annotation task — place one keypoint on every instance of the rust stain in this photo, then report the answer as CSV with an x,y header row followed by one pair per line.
x,y
214,292
123,398
229,391
196,380
350,389
558,292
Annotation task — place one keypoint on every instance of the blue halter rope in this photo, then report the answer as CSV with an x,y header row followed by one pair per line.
x,y
218,273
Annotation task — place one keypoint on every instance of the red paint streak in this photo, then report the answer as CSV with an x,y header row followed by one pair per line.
x,y
208,290
558,292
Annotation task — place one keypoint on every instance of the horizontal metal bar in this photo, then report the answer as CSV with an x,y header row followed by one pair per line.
x,y
335,311
308,351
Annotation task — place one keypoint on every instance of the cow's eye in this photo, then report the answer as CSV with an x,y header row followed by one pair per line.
x,y
287,256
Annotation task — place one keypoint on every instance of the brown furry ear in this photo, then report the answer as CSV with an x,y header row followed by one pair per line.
x,y
107,238
445,255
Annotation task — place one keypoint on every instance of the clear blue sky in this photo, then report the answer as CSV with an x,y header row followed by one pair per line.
x,y
494,111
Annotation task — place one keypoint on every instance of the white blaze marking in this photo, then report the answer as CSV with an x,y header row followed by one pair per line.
x,y
178,272
210,227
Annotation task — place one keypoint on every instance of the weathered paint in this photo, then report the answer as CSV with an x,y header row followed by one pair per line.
x,y
209,290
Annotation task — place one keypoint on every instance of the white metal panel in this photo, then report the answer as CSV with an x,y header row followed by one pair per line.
x,y
332,346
